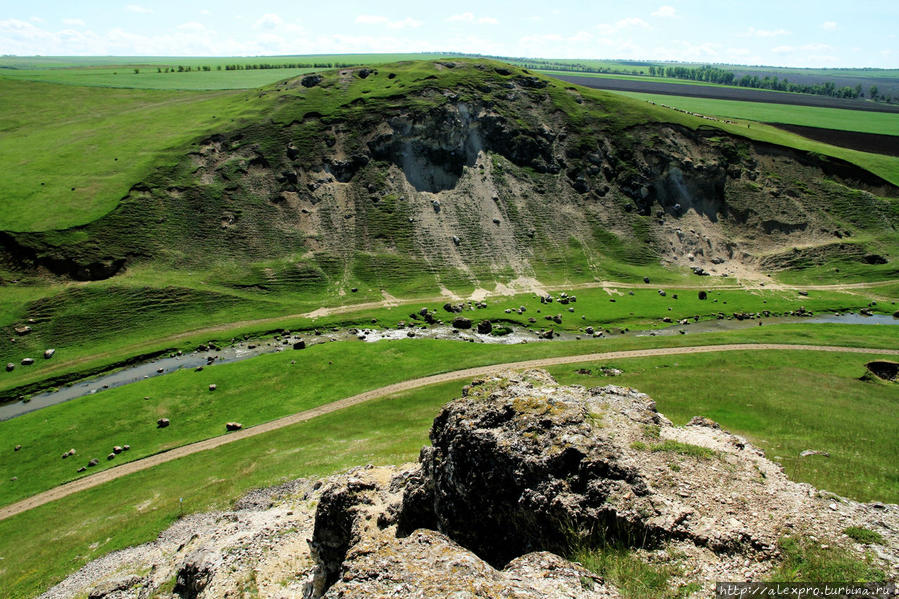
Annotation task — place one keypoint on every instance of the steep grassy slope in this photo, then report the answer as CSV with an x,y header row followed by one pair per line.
x,y
71,153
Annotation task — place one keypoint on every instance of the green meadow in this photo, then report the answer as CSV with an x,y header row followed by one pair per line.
x,y
852,421
118,71
96,327
71,153
79,134
285,383
884,123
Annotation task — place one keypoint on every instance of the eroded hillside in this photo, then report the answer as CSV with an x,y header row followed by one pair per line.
x,y
469,172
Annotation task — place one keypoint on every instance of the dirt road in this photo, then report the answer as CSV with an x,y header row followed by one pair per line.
x,y
142,464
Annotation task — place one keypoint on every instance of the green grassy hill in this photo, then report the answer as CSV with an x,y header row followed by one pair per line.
x,y
410,179
353,197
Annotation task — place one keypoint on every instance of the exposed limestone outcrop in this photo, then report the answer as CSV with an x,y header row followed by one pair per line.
x,y
520,471
502,174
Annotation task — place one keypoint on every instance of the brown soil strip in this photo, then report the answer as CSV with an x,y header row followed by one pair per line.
x,y
855,140
94,480
725,93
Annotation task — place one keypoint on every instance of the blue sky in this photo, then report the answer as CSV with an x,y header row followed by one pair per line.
x,y
789,33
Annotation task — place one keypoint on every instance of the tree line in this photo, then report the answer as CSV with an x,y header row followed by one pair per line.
x,y
250,67
711,74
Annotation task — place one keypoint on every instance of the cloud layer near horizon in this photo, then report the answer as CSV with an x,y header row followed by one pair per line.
x,y
685,31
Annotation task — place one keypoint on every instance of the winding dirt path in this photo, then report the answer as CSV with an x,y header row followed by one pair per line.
x,y
94,480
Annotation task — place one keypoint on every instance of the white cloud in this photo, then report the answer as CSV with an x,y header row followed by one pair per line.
x,y
74,22
469,17
465,17
205,12
372,20
37,20
269,21
829,25
138,9
193,26
629,23
783,49
581,37
665,12
408,22
563,46
753,32
194,39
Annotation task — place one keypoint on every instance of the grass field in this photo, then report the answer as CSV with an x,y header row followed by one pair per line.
x,y
747,125
642,78
118,71
58,62
74,145
810,116
71,153
149,78
91,523
110,322
94,424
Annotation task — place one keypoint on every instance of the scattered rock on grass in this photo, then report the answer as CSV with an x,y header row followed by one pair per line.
x,y
311,80
115,587
162,423
703,421
884,369
461,323
233,426
811,452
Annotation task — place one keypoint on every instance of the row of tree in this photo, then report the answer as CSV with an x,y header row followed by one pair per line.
x,y
711,74
575,68
251,67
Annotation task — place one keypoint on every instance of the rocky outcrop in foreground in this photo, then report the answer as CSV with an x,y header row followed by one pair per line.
x,y
520,472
